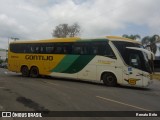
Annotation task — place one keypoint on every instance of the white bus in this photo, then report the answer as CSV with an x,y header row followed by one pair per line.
x,y
113,60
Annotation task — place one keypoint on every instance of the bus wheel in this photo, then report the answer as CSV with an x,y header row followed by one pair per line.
x,y
109,79
34,72
25,71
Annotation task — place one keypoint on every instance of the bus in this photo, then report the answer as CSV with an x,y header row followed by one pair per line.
x,y
113,60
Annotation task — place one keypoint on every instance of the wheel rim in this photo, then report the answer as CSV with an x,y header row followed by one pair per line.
x,y
25,71
34,72
109,80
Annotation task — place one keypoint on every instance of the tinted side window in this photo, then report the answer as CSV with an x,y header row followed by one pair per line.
x,y
40,48
82,48
63,48
18,48
102,48
48,49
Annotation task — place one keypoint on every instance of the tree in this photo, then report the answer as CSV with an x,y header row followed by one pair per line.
x,y
64,30
153,40
134,37
150,42
74,30
145,41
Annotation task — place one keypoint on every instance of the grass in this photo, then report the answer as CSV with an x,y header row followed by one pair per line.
x,y
156,76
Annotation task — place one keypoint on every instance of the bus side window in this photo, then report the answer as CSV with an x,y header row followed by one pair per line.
x,y
67,48
32,49
49,49
103,49
108,51
86,49
81,48
26,49
95,50
58,50
77,50
42,49
37,49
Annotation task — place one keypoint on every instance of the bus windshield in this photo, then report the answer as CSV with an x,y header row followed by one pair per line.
x,y
133,58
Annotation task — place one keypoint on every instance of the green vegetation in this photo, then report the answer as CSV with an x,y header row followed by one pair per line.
x,y
149,42
65,30
134,37
1,61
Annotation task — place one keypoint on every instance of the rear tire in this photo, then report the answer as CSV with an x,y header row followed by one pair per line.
x,y
109,79
25,71
34,72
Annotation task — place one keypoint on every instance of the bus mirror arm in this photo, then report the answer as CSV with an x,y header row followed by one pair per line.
x,y
150,54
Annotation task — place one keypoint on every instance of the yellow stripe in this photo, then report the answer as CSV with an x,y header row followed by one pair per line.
x,y
117,38
48,40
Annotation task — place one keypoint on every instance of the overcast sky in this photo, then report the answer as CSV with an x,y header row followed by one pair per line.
x,y
35,19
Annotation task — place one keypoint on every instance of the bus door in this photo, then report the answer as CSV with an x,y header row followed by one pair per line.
x,y
134,70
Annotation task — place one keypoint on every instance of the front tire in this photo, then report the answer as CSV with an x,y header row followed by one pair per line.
x,y
109,79
34,72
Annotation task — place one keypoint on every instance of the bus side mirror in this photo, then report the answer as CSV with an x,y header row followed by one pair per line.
x,y
150,55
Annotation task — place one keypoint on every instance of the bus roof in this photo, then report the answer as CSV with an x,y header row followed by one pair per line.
x,y
118,38
76,39
49,40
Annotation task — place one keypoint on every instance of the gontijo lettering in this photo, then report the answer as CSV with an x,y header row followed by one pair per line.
x,y
38,57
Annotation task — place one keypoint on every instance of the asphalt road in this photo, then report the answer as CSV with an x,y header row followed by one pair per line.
x,y
19,93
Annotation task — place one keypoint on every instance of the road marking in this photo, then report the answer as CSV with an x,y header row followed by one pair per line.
x,y
58,85
52,83
118,102
2,87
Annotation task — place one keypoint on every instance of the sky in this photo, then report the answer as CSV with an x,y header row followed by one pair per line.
x,y
36,19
